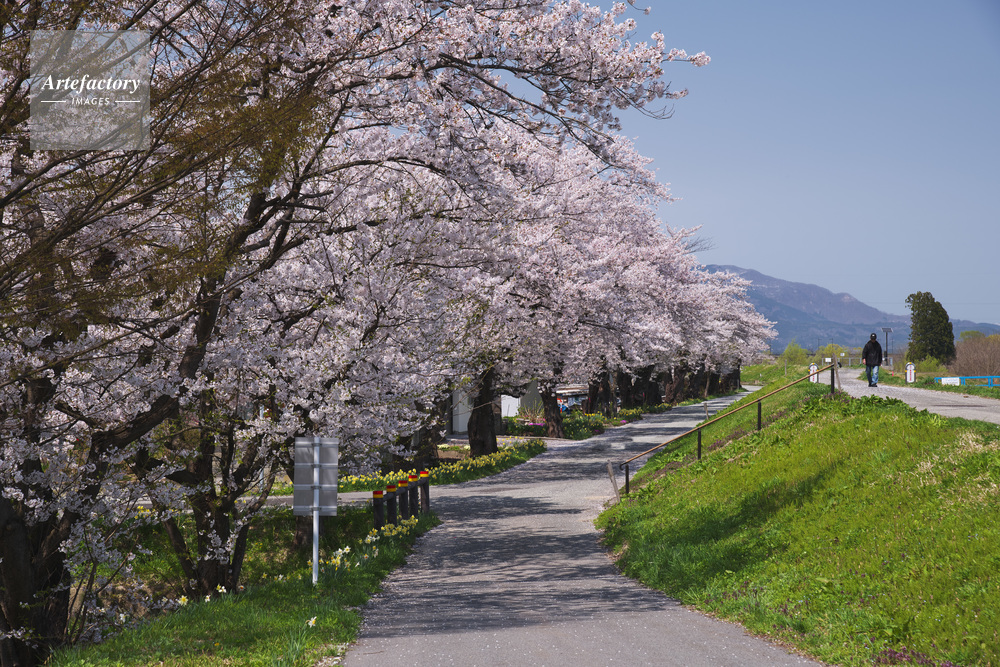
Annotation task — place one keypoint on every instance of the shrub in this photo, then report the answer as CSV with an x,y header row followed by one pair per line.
x,y
518,428
931,365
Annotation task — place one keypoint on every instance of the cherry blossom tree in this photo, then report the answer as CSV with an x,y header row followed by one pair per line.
x,y
274,263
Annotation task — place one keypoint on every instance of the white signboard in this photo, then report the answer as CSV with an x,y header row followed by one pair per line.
x,y
911,372
315,485
315,470
812,369
953,381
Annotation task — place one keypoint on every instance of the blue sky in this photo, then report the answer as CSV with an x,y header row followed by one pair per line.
x,y
854,145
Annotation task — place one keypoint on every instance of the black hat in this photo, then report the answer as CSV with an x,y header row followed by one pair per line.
x,y
874,336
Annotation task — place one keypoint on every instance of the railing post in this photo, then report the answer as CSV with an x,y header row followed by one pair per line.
x,y
404,505
390,504
378,509
414,495
425,491
759,420
699,444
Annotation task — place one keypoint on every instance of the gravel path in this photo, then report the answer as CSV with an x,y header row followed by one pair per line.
x,y
515,575
943,403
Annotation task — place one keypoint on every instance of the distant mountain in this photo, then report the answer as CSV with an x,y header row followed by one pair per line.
x,y
814,316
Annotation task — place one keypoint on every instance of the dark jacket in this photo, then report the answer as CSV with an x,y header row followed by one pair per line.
x,y
872,354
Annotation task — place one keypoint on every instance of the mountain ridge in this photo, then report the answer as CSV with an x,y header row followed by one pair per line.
x,y
814,316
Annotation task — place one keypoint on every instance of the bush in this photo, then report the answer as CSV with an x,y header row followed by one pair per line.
x,y
580,426
532,429
931,365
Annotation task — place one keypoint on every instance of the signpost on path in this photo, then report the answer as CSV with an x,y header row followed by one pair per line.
x,y
315,485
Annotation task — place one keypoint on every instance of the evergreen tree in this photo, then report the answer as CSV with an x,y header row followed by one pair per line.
x,y
931,334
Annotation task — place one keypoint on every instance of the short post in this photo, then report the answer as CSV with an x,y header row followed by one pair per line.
x,y
390,504
699,444
404,505
425,491
759,420
378,508
833,377
414,495
626,479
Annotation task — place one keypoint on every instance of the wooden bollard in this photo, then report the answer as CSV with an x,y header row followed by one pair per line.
x,y
378,509
404,505
414,497
425,491
390,504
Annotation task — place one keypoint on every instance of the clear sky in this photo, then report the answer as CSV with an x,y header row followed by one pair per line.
x,y
854,145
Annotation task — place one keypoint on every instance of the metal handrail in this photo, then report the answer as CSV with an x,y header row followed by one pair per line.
x,y
624,464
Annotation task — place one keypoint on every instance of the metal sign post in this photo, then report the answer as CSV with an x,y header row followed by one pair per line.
x,y
315,485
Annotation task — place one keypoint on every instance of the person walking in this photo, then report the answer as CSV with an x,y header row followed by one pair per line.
x,y
872,356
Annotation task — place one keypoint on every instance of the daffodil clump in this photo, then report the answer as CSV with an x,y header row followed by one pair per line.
x,y
451,473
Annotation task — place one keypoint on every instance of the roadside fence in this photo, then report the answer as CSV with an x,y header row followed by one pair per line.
x,y
624,465
977,381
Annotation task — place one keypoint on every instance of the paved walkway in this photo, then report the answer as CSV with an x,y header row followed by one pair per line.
x,y
944,403
515,575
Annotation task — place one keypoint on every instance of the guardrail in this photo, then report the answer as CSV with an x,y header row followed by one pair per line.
x,y
991,380
624,465
406,498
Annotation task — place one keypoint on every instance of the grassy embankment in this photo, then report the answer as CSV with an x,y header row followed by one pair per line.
x,y
860,531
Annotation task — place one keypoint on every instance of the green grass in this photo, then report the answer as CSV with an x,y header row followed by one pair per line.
x,y
452,473
859,530
765,374
744,421
268,622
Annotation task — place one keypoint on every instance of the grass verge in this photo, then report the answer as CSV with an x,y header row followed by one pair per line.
x,y
858,530
279,617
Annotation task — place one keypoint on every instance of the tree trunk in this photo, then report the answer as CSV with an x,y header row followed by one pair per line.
x,y
553,415
593,390
626,389
731,381
713,386
34,588
676,385
649,388
482,425
604,395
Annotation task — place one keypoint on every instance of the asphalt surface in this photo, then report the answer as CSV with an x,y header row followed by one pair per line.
x,y
515,575
946,404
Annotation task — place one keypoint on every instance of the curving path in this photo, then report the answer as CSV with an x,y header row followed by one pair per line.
x,y
515,575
